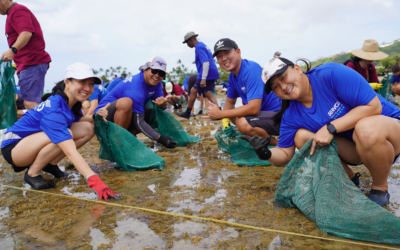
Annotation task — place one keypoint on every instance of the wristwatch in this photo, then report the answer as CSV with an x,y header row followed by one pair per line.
x,y
14,50
331,128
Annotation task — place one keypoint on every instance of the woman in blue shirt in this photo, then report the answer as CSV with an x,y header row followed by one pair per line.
x,y
54,129
333,101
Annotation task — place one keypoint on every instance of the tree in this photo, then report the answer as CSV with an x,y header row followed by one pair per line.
x,y
107,75
181,70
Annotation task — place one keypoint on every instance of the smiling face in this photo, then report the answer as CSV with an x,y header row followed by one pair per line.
x,y
79,90
151,79
289,85
229,60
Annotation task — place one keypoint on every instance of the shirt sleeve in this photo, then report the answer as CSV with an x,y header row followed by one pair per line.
x,y
137,99
94,95
202,55
231,93
349,86
55,126
22,21
287,133
255,86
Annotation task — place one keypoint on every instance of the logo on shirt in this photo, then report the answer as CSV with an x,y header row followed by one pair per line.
x,y
336,110
161,63
41,106
151,94
244,90
220,44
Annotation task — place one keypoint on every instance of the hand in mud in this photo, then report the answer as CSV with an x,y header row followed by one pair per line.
x,y
103,112
322,138
260,145
101,189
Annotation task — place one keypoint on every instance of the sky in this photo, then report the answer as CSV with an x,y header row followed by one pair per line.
x,y
105,33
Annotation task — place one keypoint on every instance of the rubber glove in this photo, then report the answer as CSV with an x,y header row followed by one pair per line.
x,y
226,123
167,141
376,86
260,145
100,189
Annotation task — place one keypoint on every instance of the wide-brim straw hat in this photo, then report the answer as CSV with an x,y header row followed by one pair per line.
x,y
370,51
189,35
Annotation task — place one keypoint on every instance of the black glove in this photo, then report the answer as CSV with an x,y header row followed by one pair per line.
x,y
260,145
167,141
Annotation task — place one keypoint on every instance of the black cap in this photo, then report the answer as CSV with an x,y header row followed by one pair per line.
x,y
272,68
224,44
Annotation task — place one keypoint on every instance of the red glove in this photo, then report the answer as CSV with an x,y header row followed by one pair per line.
x,y
100,189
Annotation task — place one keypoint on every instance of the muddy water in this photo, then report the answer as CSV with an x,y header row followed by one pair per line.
x,y
197,180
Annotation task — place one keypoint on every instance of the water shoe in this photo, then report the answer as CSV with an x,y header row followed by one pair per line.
x,y
37,182
379,197
55,170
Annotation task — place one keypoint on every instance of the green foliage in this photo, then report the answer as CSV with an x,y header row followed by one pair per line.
x,y
108,74
181,70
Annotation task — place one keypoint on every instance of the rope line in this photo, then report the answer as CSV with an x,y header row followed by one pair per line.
x,y
202,218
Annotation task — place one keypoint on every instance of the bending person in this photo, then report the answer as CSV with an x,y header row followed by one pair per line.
x,y
50,131
333,101
90,105
128,100
255,116
208,73
176,93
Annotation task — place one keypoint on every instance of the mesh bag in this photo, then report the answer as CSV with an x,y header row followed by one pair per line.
x,y
120,146
240,150
321,189
8,109
386,90
167,125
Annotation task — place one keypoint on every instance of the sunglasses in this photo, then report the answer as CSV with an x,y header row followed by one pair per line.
x,y
159,72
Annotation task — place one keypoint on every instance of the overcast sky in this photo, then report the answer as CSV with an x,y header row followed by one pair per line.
x,y
104,33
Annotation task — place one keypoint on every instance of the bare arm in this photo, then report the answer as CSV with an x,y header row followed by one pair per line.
x,y
281,156
21,41
250,109
93,106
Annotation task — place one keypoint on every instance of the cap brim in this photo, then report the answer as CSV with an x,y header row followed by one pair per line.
x,y
97,80
190,37
267,87
221,49
370,56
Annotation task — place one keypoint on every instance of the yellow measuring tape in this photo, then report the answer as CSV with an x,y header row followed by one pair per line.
x,y
201,218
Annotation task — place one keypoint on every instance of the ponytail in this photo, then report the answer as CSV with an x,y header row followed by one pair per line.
x,y
59,90
277,118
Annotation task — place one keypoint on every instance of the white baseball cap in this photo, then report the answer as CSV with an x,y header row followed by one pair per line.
x,y
81,71
168,87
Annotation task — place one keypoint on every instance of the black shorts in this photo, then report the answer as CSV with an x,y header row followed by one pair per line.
x,y
113,108
6,151
264,120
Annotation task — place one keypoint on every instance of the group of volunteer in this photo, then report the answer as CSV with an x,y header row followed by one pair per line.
x,y
282,106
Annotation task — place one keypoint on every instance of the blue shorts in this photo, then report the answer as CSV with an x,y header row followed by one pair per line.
x,y
31,81
210,85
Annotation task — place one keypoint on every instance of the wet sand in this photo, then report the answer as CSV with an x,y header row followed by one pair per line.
x,y
198,180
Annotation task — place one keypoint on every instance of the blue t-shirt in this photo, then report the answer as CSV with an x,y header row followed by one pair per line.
x,y
137,90
185,83
249,86
395,78
113,84
203,54
99,93
336,90
53,117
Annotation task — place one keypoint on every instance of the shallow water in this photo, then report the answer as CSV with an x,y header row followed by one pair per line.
x,y
198,180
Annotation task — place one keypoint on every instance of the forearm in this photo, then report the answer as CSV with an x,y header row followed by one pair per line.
x,y
206,67
86,118
93,106
350,120
22,40
143,127
69,149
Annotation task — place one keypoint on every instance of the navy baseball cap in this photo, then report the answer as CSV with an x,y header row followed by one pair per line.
x,y
272,68
224,44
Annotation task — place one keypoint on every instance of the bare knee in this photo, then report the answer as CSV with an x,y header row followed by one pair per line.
x,y
70,131
124,104
244,127
302,136
366,134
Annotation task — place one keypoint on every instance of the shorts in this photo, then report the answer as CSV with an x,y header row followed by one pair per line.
x,y
31,81
6,151
264,120
210,85
113,108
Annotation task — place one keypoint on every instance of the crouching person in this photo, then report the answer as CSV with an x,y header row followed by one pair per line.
x,y
128,100
54,129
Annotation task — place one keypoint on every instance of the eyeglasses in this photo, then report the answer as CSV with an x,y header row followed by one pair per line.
x,y
159,72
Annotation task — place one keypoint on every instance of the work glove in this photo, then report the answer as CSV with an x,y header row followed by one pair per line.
x,y
100,189
376,86
226,123
167,141
260,145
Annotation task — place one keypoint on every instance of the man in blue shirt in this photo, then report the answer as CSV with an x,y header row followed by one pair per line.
x,y
255,116
114,83
92,102
128,100
208,73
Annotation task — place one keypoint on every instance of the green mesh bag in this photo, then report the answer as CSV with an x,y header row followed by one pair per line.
x,y
120,146
8,109
321,189
240,150
167,125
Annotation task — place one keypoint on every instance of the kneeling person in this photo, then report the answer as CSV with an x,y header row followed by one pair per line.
x,y
128,100
175,92
255,116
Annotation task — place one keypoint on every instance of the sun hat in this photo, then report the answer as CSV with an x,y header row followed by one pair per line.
x,y
189,35
168,87
81,71
370,51
155,63
224,44
275,66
